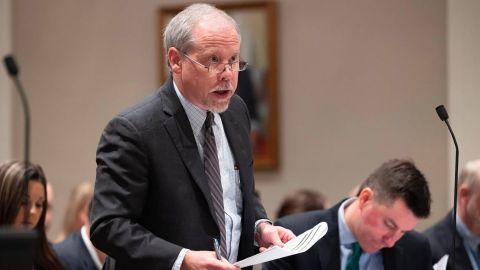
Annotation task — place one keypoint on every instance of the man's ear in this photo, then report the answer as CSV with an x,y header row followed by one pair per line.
x,y
463,194
174,59
365,196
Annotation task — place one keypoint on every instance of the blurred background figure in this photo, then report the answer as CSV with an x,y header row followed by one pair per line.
x,y
467,243
50,200
76,252
76,213
301,201
23,204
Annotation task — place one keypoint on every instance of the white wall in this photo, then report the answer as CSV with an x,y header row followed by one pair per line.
x,y
358,84
5,85
359,81
464,79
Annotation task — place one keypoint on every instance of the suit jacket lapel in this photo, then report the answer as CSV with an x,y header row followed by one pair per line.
x,y
462,261
329,252
181,134
238,147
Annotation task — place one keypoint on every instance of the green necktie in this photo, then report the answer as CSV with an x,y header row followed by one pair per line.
x,y
352,261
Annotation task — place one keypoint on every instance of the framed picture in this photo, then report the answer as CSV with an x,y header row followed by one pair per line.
x,y
258,84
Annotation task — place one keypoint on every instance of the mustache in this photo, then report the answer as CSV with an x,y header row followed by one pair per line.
x,y
226,86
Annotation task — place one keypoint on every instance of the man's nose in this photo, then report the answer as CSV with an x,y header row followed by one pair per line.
x,y
389,242
391,238
227,73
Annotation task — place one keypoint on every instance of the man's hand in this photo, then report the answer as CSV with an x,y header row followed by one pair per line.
x,y
199,260
268,235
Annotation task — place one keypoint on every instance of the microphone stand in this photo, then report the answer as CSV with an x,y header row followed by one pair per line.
x,y
26,111
13,72
442,113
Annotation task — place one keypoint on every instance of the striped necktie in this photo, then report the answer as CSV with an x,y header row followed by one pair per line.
x,y
354,259
210,160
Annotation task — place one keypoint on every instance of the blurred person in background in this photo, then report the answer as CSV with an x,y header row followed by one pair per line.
x,y
302,200
76,252
440,235
23,205
76,213
50,201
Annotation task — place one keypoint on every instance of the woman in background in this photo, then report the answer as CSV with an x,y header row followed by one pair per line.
x,y
23,205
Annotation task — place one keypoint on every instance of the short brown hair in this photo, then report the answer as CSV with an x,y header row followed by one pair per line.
x,y
400,179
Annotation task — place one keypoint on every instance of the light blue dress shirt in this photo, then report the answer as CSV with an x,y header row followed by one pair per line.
x,y
367,260
470,242
229,173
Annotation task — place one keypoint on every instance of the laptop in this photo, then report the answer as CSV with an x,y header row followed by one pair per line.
x,y
17,248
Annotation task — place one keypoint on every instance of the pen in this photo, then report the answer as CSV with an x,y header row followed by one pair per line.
x,y
217,248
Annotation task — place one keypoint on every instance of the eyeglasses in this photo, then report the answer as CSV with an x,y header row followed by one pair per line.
x,y
217,67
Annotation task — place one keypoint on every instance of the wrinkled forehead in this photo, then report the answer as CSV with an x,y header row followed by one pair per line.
x,y
220,37
215,24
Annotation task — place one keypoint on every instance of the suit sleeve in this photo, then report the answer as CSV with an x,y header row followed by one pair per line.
x,y
121,186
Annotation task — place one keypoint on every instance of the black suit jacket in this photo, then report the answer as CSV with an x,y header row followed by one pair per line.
x,y
151,194
440,236
411,252
73,253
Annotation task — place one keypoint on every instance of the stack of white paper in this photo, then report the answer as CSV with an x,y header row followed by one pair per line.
x,y
299,244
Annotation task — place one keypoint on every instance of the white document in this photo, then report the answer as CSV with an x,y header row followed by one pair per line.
x,y
299,244
441,264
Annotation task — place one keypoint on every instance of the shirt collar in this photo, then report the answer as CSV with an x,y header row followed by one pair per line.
x,y
90,248
345,235
195,115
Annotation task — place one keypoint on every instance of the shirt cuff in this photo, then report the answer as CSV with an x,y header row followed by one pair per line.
x,y
256,229
179,260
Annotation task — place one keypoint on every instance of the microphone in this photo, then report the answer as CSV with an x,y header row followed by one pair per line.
x,y
13,71
11,66
442,113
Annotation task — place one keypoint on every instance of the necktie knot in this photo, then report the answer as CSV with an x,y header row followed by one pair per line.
x,y
354,259
209,120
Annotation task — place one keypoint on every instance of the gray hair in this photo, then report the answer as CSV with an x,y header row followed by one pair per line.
x,y
178,32
470,174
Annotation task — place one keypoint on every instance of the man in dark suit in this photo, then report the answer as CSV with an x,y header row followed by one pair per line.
x,y
467,241
175,171
372,230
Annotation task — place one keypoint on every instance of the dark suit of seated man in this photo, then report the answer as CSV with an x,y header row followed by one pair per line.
x,y
76,252
440,235
372,230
